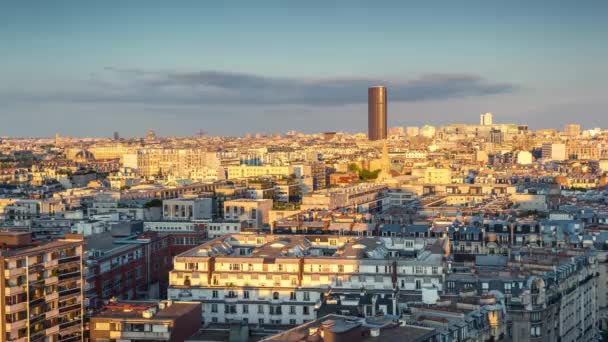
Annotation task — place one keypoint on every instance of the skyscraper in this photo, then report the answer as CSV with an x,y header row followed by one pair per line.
x,y
376,120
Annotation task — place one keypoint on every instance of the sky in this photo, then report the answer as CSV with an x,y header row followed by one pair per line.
x,y
84,68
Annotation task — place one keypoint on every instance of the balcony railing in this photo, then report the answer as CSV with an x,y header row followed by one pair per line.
x,y
68,308
65,276
69,324
68,259
68,292
162,336
70,339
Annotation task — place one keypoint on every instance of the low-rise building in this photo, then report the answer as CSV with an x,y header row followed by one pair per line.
x,y
146,321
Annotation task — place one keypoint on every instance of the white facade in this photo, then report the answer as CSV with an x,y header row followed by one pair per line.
x,y
252,211
485,119
524,158
241,277
553,151
186,209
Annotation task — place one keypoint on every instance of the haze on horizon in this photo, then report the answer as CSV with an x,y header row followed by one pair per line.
x,y
88,69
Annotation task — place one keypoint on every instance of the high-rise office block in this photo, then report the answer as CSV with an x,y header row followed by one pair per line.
x,y
376,113
485,119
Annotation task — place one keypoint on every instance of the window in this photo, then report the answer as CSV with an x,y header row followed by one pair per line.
x,y
215,294
292,321
340,268
230,309
214,308
435,270
292,296
305,310
419,270
275,310
292,310
306,296
261,321
246,294
260,309
507,288
418,284
535,331
275,295
245,308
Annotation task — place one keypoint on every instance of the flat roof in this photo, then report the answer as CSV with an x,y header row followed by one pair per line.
x,y
133,310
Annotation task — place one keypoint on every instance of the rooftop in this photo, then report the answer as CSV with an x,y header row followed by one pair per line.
x,y
155,311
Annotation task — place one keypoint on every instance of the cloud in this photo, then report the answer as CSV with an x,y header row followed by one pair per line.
x,y
220,87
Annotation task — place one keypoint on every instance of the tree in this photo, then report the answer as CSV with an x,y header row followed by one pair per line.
x,y
353,167
155,203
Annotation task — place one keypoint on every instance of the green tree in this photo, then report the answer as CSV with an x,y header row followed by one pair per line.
x,y
154,203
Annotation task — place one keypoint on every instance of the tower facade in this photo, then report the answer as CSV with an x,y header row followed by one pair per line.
x,y
376,119
485,119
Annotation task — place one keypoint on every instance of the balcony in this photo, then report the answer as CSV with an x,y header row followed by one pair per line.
x,y
15,307
148,335
14,272
68,259
36,301
71,339
51,296
52,313
69,324
15,290
51,263
69,292
70,275
34,318
16,325
52,330
22,339
70,308
50,280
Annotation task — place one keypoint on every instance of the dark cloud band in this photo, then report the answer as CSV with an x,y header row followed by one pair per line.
x,y
218,87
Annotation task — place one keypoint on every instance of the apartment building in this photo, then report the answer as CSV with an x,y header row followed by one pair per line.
x,y
549,296
222,227
365,197
552,151
252,211
281,279
245,171
41,297
186,209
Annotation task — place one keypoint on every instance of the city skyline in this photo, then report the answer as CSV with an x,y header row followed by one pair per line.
x,y
234,69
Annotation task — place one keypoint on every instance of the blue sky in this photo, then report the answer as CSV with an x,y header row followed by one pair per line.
x,y
91,68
